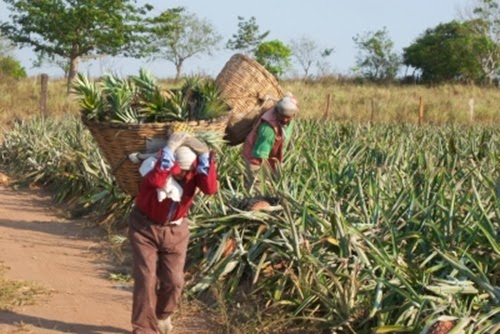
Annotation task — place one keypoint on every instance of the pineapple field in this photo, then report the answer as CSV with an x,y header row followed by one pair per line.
x,y
376,224
379,228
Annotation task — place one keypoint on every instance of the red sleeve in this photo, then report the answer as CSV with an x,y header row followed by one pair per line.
x,y
157,177
208,183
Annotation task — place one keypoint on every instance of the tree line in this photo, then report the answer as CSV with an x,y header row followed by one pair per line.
x,y
66,32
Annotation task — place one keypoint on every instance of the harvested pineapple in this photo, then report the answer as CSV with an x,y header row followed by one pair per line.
x,y
140,99
181,127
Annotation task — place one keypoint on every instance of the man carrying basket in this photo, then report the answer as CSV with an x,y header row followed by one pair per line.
x,y
264,146
159,231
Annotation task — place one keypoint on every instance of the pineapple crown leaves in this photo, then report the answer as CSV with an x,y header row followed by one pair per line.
x,y
146,84
88,95
176,107
119,95
140,99
212,140
205,98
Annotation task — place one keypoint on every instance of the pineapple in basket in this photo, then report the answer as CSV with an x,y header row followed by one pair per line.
x,y
181,127
211,139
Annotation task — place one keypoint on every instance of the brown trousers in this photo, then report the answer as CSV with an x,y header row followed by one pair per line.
x,y
159,255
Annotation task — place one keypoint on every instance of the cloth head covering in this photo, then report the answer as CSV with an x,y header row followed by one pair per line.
x,y
185,157
287,106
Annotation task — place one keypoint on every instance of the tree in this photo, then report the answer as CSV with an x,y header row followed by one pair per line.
x,y
307,53
74,28
304,50
274,56
324,66
447,52
248,37
376,58
63,63
178,36
484,16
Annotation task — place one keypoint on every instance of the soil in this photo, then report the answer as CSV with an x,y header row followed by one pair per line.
x,y
40,246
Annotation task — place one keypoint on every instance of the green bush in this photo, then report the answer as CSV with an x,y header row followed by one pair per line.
x,y
11,67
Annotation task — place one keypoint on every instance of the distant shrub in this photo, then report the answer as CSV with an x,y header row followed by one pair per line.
x,y
11,67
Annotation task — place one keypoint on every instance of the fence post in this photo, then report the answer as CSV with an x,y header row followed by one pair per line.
x,y
471,106
327,110
43,94
421,111
372,111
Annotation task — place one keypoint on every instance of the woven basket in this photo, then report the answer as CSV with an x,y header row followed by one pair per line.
x,y
245,85
117,141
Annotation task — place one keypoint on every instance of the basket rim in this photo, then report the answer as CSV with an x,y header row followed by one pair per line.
x,y
255,64
242,95
121,125
131,126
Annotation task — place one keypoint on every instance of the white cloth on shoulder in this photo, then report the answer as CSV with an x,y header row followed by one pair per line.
x,y
172,189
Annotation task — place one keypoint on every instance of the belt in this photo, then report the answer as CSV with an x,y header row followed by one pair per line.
x,y
135,210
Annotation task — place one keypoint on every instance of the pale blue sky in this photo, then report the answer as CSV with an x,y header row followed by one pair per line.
x,y
331,23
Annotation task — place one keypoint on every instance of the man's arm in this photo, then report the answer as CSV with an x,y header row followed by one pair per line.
x,y
206,174
163,168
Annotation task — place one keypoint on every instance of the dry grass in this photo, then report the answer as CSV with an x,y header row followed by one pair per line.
x,y
348,102
15,293
21,99
390,104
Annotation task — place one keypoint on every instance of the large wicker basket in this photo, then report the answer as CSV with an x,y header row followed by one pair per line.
x,y
117,141
248,88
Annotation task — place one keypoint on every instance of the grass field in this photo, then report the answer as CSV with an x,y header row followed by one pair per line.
x,y
448,104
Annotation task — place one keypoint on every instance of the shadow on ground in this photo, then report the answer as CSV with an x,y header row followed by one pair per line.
x,y
18,320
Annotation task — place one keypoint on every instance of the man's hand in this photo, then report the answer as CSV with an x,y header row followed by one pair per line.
x,y
196,145
176,140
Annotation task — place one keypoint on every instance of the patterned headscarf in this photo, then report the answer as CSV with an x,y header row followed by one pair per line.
x,y
288,105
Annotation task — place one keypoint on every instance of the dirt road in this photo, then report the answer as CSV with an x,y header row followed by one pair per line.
x,y
60,255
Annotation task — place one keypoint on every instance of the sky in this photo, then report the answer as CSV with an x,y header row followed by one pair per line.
x,y
330,23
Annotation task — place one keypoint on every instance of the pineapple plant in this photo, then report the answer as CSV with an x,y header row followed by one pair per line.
x,y
367,237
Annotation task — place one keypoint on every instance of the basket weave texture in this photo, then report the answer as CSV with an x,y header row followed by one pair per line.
x,y
244,85
117,141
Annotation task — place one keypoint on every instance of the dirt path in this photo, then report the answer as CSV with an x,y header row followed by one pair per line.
x,y
63,257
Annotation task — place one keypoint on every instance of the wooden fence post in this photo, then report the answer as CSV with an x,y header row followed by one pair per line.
x,y
43,94
471,106
421,111
327,110
372,111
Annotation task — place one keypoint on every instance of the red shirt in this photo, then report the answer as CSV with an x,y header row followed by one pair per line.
x,y
159,212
